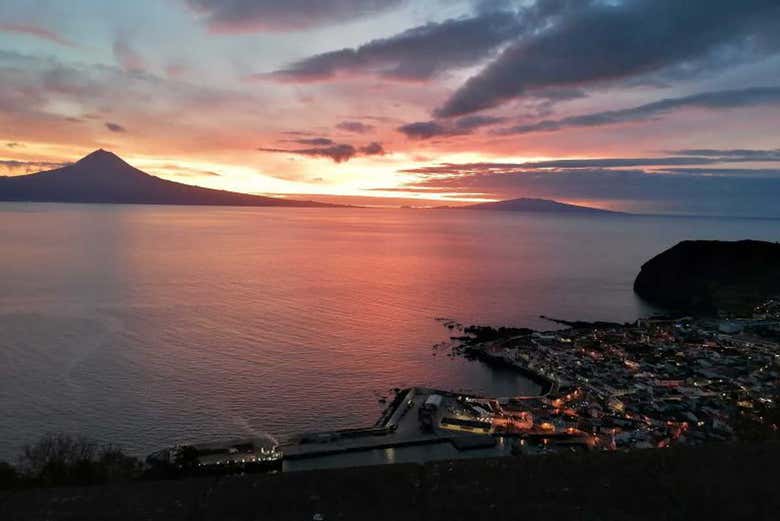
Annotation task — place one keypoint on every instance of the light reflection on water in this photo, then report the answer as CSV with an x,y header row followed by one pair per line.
x,y
148,325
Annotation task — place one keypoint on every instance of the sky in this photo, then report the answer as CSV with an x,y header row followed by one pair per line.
x,y
651,106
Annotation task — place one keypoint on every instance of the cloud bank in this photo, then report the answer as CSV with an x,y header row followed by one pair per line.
x,y
421,130
727,99
355,126
337,152
417,54
628,184
606,42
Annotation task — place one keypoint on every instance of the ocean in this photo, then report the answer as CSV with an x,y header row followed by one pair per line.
x,y
147,326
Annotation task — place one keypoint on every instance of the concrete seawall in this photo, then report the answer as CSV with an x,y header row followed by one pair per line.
x,y
545,383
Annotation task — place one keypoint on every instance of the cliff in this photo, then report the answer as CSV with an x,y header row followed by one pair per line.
x,y
711,276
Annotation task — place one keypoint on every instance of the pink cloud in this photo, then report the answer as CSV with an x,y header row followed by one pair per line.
x,y
38,32
128,58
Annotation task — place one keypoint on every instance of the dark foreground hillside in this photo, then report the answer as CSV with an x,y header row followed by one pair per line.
x,y
728,482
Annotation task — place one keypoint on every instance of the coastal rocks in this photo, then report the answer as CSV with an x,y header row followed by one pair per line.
x,y
479,334
708,277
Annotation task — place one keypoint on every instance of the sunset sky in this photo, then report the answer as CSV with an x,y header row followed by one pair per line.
x,y
639,105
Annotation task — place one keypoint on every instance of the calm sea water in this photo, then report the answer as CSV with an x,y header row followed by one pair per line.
x,y
149,325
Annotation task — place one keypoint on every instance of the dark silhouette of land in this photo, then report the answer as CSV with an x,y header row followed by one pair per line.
x,y
103,177
711,276
536,206
714,482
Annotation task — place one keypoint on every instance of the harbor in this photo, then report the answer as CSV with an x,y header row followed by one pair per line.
x,y
420,424
653,383
412,428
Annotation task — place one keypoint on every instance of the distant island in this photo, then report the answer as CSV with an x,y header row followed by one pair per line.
x,y
712,276
530,205
103,177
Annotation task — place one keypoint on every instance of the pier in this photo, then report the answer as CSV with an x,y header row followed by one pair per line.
x,y
420,424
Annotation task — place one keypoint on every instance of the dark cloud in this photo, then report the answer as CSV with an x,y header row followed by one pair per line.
x,y
625,162
373,149
355,126
742,172
713,156
298,133
275,15
416,54
463,169
115,127
746,154
469,123
633,189
421,130
28,167
726,99
727,156
315,141
338,152
599,42
38,32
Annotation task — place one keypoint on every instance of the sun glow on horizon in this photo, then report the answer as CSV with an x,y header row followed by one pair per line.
x,y
371,179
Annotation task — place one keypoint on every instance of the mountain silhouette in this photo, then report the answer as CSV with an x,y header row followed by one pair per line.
x,y
538,206
103,177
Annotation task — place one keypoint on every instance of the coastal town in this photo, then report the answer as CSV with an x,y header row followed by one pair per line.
x,y
653,383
